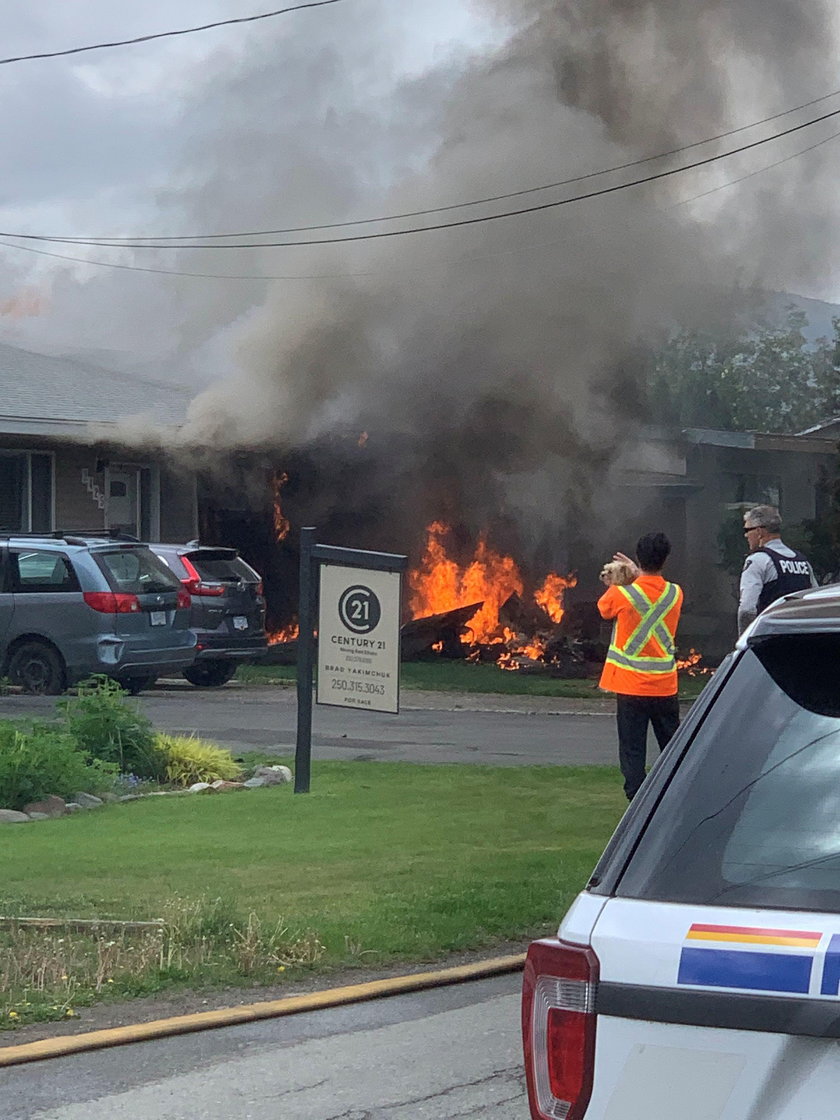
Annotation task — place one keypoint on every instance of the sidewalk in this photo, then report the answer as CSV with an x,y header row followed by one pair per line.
x,y
419,700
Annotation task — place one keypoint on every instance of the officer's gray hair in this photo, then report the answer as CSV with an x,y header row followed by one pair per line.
x,y
763,517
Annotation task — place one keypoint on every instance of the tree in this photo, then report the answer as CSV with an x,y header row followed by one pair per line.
x,y
768,380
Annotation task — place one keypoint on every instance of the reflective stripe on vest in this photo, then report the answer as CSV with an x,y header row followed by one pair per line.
x,y
651,625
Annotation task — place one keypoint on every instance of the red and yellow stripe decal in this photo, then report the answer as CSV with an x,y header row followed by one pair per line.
x,y
746,935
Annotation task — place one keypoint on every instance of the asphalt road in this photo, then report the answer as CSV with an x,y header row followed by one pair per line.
x,y
431,727
438,1055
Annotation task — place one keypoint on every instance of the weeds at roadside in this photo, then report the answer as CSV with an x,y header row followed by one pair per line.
x,y
46,974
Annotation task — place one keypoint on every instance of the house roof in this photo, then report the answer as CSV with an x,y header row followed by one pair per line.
x,y
43,395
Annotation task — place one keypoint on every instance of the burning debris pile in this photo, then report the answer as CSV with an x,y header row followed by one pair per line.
x,y
480,610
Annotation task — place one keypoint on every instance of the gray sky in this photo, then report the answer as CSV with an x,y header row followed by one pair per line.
x,y
110,142
228,129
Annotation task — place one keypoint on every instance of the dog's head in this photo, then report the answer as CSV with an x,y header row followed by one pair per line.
x,y
617,572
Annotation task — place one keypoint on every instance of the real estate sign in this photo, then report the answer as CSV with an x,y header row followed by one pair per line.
x,y
359,638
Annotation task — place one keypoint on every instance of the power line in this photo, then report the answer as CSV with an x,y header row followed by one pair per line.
x,y
168,34
353,275
758,171
471,221
175,272
126,242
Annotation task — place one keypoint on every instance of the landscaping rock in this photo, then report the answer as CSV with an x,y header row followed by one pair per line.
x,y
73,807
199,787
255,783
11,816
225,787
38,816
51,806
111,798
130,797
87,801
274,775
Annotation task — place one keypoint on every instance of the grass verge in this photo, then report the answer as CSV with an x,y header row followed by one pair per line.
x,y
461,676
381,863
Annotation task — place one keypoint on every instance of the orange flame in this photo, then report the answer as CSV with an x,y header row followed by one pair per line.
x,y
692,666
281,523
550,595
289,633
440,584
363,438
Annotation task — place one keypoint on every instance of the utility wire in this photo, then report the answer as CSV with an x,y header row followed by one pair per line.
x,y
472,221
353,275
176,272
758,171
130,241
167,34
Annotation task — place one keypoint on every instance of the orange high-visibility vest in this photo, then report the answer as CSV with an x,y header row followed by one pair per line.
x,y
641,659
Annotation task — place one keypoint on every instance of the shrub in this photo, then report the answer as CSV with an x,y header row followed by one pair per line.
x,y
188,760
41,761
104,723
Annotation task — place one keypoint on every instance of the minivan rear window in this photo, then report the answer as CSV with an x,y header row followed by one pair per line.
x,y
751,816
136,571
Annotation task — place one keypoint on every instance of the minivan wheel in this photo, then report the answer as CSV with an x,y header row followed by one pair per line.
x,y
135,685
37,668
210,674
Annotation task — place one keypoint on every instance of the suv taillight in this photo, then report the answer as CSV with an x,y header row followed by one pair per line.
x,y
558,1028
110,602
195,585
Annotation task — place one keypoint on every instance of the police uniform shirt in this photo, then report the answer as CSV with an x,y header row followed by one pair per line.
x,y
758,570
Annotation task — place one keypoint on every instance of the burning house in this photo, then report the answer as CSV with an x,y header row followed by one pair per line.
x,y
462,380
478,588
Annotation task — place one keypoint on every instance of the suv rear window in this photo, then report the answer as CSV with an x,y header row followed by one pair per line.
x,y
752,814
222,566
136,571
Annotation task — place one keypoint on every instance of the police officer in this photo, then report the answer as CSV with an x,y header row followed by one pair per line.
x,y
772,569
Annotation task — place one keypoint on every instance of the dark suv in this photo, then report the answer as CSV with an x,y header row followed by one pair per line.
x,y
228,608
72,606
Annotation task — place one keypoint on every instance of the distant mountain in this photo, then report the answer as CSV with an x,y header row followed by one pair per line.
x,y
818,311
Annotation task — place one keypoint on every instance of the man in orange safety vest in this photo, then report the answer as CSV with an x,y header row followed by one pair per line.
x,y
641,667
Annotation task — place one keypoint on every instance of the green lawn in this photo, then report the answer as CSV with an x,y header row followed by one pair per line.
x,y
461,676
380,862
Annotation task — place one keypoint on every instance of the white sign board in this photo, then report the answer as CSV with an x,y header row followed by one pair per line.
x,y
359,639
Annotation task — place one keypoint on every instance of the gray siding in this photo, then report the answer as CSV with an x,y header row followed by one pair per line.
x,y
178,516
77,486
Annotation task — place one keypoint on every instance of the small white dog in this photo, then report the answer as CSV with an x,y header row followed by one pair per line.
x,y
618,572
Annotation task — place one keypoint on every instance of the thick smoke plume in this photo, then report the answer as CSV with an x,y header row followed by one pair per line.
x,y
496,367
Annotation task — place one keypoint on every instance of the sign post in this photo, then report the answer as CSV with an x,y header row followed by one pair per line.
x,y
357,597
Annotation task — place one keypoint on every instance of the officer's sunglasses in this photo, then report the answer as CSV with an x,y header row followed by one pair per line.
x,y
752,529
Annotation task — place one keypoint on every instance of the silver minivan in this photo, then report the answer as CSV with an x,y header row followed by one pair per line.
x,y
72,606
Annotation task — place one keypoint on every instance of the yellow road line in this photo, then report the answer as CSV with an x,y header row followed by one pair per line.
x,y
252,1012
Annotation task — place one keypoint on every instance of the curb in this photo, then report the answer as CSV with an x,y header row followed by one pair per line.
x,y
253,1012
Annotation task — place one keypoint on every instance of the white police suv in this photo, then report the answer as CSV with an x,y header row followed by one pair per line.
x,y
698,975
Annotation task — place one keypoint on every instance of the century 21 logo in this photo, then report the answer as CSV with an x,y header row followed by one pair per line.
x,y
359,609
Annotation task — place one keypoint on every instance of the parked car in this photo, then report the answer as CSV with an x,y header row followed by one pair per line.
x,y
228,608
72,606
697,977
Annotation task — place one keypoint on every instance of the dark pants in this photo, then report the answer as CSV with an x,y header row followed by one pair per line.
x,y
633,714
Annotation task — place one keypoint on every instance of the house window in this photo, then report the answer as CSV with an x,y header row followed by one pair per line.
x,y
26,492
745,490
